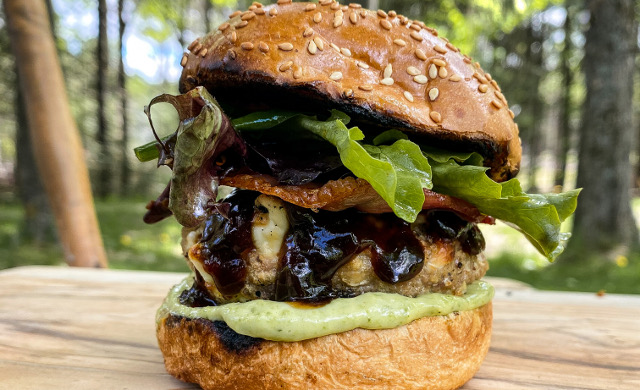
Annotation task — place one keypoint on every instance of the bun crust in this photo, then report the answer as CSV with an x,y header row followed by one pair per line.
x,y
379,68
430,353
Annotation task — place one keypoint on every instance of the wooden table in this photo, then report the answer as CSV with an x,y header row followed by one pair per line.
x,y
94,329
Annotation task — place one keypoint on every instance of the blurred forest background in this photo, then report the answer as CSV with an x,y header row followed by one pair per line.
x,y
550,58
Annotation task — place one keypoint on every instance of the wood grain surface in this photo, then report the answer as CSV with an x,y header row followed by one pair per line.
x,y
79,328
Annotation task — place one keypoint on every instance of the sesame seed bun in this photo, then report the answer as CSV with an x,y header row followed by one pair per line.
x,y
378,67
435,353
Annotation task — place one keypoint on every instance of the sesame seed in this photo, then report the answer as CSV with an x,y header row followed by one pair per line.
x,y
387,81
338,18
246,45
335,47
420,79
467,60
496,104
416,35
353,17
433,93
495,85
307,32
385,24
312,47
248,16
224,26
231,54
348,93
392,14
192,45
310,7
483,88
184,59
335,76
413,71
233,15
365,87
488,76
387,71
408,96
403,20
280,2
319,43
415,27
480,78
259,11
286,66
455,77
420,54
263,47
203,52
197,48
297,72
252,7
345,51
451,47
477,65
440,49
511,114
362,65
382,14
317,17
257,4
433,71
325,2
355,5
439,62
335,6
435,116
234,37
442,72
242,24
286,46
400,42
363,14
273,11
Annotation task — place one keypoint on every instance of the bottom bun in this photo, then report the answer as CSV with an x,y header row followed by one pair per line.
x,y
440,352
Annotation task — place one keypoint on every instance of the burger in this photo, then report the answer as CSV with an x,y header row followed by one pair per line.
x,y
330,170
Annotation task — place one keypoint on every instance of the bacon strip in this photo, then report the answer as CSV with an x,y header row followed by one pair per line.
x,y
344,193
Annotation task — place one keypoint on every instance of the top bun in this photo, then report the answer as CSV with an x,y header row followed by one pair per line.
x,y
380,68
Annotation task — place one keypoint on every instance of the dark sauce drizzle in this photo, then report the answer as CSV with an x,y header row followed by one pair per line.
x,y
319,243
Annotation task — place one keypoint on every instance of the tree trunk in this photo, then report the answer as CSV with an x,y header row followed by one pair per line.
x,y
564,123
207,16
58,150
103,183
125,166
534,136
604,224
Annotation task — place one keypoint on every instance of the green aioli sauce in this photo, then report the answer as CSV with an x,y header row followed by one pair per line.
x,y
280,321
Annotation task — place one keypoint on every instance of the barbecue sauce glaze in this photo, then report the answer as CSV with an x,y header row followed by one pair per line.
x,y
319,243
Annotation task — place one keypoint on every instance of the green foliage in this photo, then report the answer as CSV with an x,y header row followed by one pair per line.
x,y
129,242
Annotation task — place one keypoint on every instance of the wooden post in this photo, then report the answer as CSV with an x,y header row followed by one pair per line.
x,y
56,142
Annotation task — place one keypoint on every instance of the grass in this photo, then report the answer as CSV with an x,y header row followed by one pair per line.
x,y
131,244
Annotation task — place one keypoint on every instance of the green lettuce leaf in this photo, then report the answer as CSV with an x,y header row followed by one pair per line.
x,y
537,216
398,172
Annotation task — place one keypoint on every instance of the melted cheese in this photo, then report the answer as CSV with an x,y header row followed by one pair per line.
x,y
269,228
